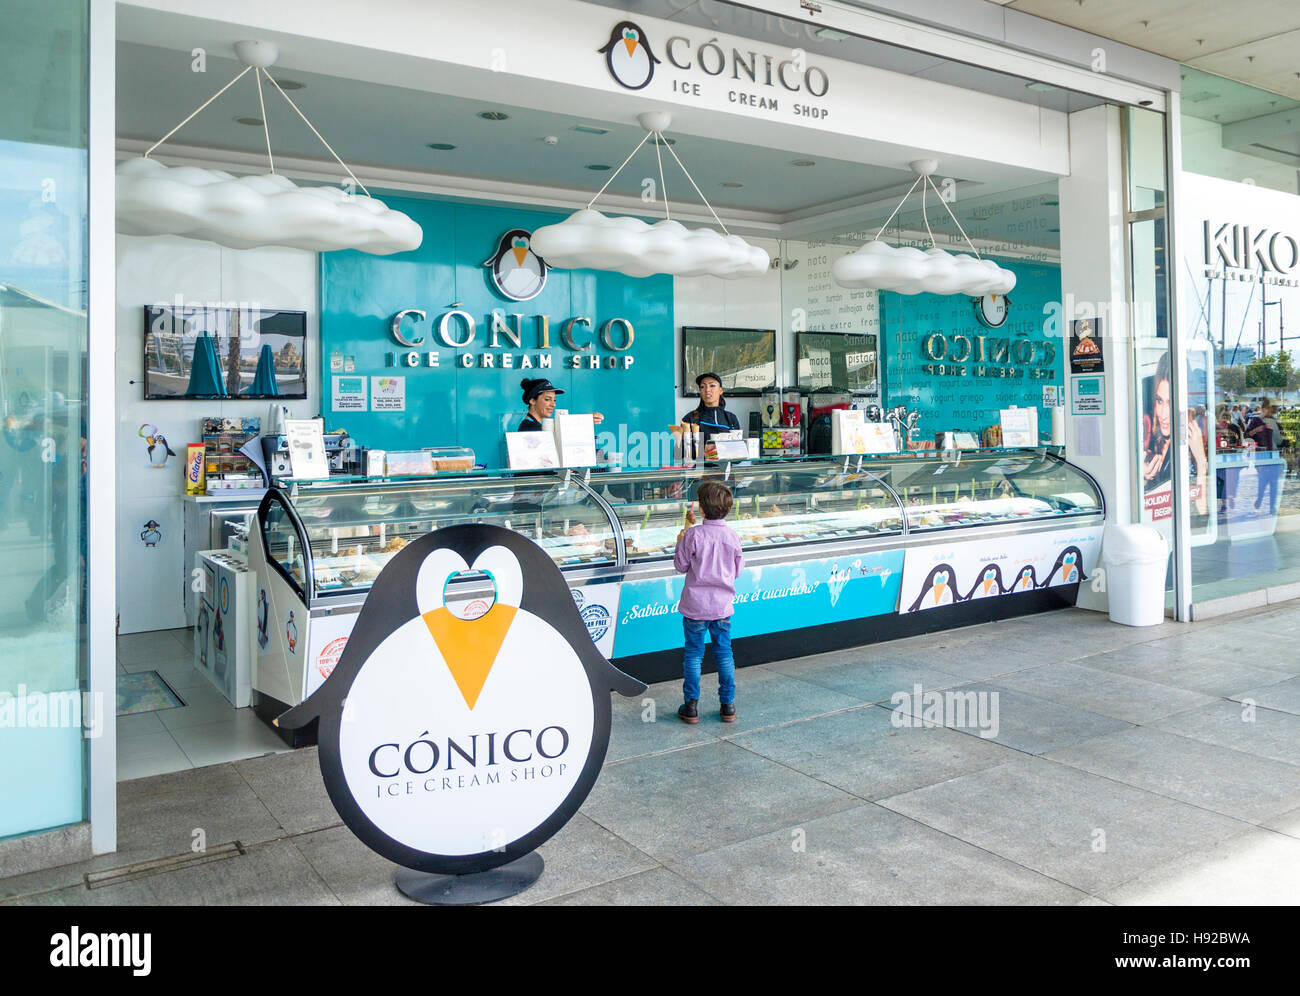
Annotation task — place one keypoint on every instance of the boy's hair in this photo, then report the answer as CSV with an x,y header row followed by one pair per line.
x,y
715,499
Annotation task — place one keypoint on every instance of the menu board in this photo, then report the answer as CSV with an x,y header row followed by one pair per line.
x,y
830,361
1020,427
743,359
306,437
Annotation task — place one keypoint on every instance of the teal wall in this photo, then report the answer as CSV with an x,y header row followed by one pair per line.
x,y
452,405
968,402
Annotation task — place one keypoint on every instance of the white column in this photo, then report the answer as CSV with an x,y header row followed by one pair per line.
x,y
1093,260
101,467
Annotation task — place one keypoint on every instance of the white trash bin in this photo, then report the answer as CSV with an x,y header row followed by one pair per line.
x,y
1136,559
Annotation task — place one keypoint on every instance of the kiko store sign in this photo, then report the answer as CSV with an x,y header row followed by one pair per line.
x,y
508,342
1253,253
781,82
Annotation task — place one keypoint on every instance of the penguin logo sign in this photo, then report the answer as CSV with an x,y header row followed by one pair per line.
x,y
465,743
516,271
628,56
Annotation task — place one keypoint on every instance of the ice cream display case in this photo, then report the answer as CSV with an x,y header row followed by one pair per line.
x,y
838,552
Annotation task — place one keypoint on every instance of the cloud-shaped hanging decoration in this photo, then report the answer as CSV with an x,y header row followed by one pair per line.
x,y
249,211
906,270
589,240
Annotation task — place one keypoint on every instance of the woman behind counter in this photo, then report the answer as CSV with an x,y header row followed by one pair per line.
x,y
711,414
539,397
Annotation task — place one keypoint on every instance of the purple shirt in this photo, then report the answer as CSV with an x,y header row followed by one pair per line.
x,y
709,555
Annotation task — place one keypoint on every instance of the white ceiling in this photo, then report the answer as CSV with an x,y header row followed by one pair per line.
x,y
1254,41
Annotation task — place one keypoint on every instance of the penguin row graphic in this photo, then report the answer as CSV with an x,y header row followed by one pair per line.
x,y
516,271
940,585
457,745
628,56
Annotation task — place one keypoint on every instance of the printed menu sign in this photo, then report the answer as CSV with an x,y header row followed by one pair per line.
x,y
388,394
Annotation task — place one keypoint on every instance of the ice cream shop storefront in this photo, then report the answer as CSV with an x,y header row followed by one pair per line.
x,y
288,292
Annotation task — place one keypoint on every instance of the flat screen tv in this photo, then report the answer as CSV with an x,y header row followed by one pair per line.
x,y
833,361
745,359
234,353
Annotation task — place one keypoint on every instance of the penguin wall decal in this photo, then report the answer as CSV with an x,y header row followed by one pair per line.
x,y
938,588
515,270
988,584
156,442
628,56
1069,567
1026,580
263,617
465,743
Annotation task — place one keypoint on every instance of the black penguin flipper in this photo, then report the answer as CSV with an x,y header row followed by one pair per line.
x,y
621,682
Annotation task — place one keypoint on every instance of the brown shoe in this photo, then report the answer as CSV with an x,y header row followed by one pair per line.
x,y
728,713
687,712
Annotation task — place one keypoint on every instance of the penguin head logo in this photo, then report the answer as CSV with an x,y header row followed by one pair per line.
x,y
988,584
465,742
1026,580
938,588
628,56
515,270
1067,569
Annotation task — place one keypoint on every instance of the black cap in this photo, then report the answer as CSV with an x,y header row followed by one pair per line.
x,y
532,388
700,378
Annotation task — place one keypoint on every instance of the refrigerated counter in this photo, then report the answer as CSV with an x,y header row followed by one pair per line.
x,y
839,552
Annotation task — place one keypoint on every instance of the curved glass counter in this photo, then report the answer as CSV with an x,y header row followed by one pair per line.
x,y
776,504
331,538
991,487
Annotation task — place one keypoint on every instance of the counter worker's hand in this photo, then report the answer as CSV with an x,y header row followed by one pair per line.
x,y
597,418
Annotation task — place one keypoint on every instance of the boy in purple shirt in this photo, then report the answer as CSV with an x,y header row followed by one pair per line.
x,y
709,555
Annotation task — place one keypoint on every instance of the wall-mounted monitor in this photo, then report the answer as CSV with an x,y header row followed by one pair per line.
x,y
834,361
745,359
198,353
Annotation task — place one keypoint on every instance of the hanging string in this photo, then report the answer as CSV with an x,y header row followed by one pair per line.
x,y
318,135
659,138
620,169
699,191
897,209
925,217
196,111
955,221
266,128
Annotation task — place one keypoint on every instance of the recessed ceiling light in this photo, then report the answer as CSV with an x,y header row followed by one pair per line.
x,y
803,162
493,115
733,184
1039,87
291,85
255,122
442,146
597,167
1047,203
1053,229
663,140
830,34
591,130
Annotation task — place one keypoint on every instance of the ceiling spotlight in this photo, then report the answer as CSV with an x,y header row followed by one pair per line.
x,y
597,167
803,162
662,140
493,115
441,146
254,122
733,184
591,130
830,34
1039,87
291,85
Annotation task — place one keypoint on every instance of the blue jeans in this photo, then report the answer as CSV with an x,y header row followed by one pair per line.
x,y
720,632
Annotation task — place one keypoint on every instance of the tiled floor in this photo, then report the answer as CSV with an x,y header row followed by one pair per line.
x,y
1125,766
206,730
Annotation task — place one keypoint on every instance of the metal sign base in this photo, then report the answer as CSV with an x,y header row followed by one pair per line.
x,y
473,889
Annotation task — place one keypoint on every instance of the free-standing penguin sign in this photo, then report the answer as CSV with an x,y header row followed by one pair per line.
x,y
456,746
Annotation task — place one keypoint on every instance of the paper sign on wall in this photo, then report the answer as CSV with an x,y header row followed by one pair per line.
x,y
349,393
1088,395
1020,427
388,394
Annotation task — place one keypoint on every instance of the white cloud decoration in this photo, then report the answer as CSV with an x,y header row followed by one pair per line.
x,y
588,239
906,270
244,212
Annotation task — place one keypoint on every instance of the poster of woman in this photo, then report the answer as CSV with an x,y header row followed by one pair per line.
x,y
1156,440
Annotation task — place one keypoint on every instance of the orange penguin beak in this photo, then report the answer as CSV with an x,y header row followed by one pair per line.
x,y
988,583
470,646
938,591
520,253
630,45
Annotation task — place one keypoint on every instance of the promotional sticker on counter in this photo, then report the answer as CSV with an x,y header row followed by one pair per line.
x,y
769,599
328,636
349,394
464,743
598,606
945,574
